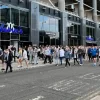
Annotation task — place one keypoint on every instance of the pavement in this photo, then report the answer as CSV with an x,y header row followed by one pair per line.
x,y
40,64
51,82
96,98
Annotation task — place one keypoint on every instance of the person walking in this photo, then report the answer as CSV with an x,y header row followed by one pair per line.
x,y
80,55
20,57
67,56
61,55
56,55
94,55
25,58
8,60
75,55
89,54
30,53
47,54
35,55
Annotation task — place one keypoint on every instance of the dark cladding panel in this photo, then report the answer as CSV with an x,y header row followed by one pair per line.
x,y
21,3
34,23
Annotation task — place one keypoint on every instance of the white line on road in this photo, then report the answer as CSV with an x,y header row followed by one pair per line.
x,y
38,98
85,75
2,86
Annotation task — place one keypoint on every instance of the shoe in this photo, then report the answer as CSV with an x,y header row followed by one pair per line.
x,y
11,71
94,64
19,66
5,72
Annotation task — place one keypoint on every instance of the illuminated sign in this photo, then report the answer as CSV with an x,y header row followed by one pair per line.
x,y
10,29
89,38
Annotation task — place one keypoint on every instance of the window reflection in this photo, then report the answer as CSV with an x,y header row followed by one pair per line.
x,y
90,31
49,30
15,16
73,28
46,23
5,15
41,22
52,25
23,18
49,24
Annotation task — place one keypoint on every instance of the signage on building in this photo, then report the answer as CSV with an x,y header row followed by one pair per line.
x,y
10,29
89,38
72,36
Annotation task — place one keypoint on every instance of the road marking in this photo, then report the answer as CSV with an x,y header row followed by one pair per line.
x,y
2,86
70,86
38,98
91,76
85,75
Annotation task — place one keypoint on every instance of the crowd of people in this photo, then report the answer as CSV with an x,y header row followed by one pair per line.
x,y
49,54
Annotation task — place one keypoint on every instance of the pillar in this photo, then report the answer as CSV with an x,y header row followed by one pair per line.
x,y
61,5
81,8
94,10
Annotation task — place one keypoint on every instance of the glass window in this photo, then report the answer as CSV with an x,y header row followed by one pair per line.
x,y
24,38
25,31
24,18
57,25
46,23
78,29
5,15
75,29
15,16
87,31
41,22
71,29
5,36
41,39
52,25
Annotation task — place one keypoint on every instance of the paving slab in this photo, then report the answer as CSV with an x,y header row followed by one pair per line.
x,y
96,98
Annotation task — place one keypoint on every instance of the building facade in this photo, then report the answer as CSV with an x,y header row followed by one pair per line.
x,y
59,22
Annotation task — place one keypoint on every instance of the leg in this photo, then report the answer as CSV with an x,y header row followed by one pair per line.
x,y
77,61
81,60
26,61
10,67
68,62
49,58
61,60
74,61
6,67
45,59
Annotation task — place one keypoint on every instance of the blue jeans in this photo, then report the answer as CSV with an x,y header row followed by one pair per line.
x,y
81,59
61,58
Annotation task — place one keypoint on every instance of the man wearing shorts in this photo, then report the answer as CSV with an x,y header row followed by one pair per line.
x,y
94,55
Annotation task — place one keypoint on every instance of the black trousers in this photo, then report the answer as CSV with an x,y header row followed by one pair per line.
x,y
47,57
90,57
8,65
75,60
67,62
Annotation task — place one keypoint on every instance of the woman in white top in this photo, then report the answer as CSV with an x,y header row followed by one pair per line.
x,y
56,55
61,54
75,55
25,58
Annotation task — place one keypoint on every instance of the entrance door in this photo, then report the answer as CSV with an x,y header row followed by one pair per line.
x,y
15,44
5,44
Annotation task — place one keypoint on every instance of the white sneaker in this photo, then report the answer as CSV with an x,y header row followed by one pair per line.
x,y
19,66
